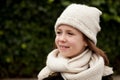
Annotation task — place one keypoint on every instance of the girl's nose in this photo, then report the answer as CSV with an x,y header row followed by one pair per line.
x,y
63,38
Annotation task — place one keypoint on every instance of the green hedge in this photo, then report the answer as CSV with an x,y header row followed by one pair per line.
x,y
27,33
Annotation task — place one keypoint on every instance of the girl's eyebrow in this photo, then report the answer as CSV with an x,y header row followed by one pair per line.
x,y
58,28
69,30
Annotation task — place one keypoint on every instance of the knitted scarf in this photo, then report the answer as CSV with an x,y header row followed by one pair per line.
x,y
86,66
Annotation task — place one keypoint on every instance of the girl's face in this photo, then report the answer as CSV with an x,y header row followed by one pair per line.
x,y
69,41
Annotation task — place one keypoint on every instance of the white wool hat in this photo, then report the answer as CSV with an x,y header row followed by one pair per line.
x,y
82,17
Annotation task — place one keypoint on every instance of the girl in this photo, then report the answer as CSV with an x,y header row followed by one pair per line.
x,y
77,57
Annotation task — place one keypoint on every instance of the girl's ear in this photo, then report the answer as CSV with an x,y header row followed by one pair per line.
x,y
86,44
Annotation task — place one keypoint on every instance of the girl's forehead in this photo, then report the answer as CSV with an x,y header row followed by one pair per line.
x,y
64,26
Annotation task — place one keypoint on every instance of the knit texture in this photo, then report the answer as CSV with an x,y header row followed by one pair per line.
x,y
86,66
83,18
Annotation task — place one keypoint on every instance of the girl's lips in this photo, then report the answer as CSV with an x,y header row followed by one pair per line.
x,y
62,47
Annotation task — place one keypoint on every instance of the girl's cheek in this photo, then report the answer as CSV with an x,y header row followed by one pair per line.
x,y
56,40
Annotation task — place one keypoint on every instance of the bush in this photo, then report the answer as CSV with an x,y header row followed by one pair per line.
x,y
27,33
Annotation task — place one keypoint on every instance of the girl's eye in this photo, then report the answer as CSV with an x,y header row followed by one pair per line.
x,y
70,33
58,32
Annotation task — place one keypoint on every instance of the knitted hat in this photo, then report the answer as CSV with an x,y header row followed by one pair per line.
x,y
83,18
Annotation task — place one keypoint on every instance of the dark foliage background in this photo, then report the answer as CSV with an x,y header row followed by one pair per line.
x,y
27,33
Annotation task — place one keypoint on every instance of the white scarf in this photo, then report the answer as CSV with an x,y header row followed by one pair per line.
x,y
86,66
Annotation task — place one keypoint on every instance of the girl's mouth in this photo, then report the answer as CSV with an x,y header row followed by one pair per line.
x,y
62,47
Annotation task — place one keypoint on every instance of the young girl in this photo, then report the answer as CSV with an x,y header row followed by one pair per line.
x,y
77,57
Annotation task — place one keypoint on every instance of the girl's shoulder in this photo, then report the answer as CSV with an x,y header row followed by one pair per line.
x,y
109,77
54,76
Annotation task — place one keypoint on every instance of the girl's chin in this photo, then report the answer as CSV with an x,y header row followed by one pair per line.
x,y
65,55
68,55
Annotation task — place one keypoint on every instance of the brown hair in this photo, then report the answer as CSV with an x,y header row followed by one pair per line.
x,y
97,50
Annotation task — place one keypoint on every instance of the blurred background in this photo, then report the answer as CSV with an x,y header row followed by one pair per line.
x,y
27,33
